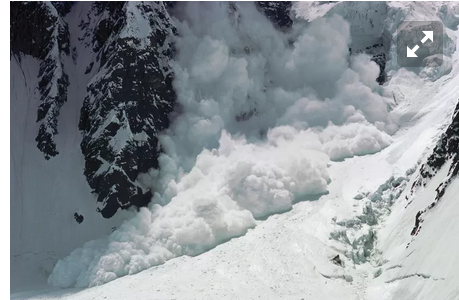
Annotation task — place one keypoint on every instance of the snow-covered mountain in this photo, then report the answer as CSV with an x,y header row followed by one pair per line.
x,y
106,41
271,150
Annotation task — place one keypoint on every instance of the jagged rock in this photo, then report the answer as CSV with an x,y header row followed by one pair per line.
x,y
379,56
38,30
79,218
277,12
447,149
129,86
417,223
128,101
337,261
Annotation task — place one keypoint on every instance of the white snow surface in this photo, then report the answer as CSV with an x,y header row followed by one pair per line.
x,y
315,124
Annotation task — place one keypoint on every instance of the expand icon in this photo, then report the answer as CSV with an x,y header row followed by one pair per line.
x,y
420,44
412,52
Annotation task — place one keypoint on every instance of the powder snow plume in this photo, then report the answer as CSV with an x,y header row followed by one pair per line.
x,y
262,114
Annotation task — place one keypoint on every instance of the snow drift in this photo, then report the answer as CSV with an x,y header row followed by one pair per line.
x,y
261,114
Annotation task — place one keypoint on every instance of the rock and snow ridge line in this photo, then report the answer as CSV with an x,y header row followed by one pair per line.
x,y
445,153
45,38
121,115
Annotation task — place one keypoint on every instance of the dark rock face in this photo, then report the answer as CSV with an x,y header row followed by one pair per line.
x,y
127,103
277,12
38,30
128,82
378,55
417,223
446,150
337,261
448,147
380,60
63,7
28,23
78,218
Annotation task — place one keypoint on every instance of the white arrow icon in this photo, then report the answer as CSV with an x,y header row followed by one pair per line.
x,y
411,52
429,36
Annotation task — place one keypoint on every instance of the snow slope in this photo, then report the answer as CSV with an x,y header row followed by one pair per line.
x,y
427,268
42,211
286,256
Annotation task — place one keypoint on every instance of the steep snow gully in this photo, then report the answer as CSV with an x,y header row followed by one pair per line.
x,y
297,160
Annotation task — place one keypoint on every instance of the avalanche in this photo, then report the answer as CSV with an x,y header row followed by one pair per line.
x,y
248,169
287,153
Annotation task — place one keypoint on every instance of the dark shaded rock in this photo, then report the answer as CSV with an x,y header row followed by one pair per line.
x,y
447,149
380,60
129,92
128,104
277,12
244,116
337,261
28,30
417,223
38,30
79,218
63,7
170,5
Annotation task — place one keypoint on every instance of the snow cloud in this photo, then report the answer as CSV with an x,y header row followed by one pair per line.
x,y
262,113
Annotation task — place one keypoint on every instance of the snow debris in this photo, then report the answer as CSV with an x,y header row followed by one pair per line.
x,y
310,103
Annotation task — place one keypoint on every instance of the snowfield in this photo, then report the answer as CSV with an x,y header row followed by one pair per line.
x,y
262,215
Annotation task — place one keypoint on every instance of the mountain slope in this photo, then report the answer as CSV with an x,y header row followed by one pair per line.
x,y
60,53
347,240
423,263
48,38
121,115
